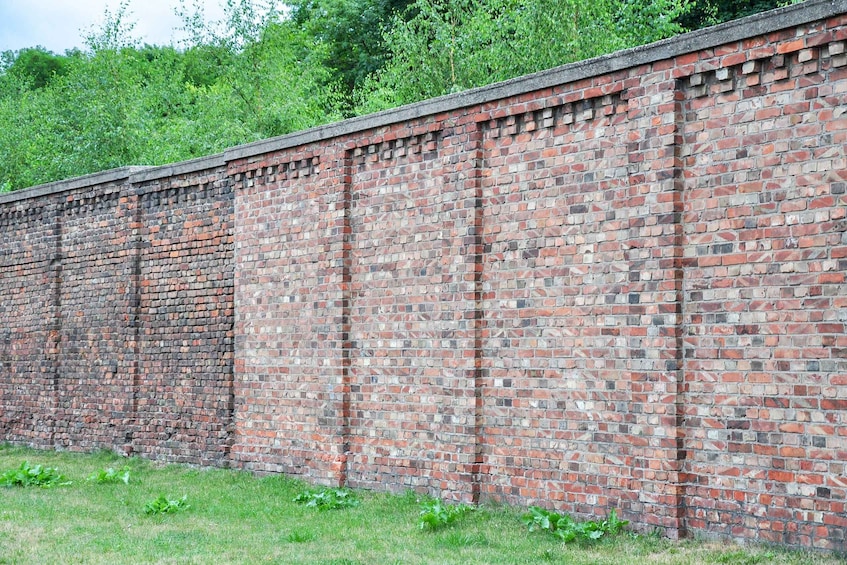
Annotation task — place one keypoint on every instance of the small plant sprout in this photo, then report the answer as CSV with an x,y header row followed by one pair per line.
x,y
435,514
569,530
165,505
328,499
33,476
300,537
110,476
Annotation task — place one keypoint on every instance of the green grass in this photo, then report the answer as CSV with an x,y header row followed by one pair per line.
x,y
234,517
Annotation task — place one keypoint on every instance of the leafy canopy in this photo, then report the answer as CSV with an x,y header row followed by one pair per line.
x,y
452,45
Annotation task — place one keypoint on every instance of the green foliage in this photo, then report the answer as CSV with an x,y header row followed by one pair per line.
x,y
435,514
37,66
452,45
165,505
115,33
119,104
33,476
268,73
110,476
300,537
351,32
705,13
569,530
328,499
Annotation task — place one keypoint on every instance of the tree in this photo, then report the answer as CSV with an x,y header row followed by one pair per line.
x,y
120,103
705,13
351,32
36,66
451,45
276,73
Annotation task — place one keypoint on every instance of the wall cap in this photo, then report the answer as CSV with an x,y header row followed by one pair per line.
x,y
57,187
175,169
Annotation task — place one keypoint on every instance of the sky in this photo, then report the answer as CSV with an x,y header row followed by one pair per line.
x,y
59,25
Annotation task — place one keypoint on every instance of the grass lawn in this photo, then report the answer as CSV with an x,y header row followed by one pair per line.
x,y
234,517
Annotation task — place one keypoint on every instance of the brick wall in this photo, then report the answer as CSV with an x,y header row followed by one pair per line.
x,y
288,378
580,291
763,129
118,314
29,332
90,300
616,284
182,393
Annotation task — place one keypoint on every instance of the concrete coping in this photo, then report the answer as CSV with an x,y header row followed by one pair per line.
x,y
103,177
182,168
134,175
736,30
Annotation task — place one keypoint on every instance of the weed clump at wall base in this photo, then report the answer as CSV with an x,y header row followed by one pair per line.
x,y
165,505
569,530
110,476
435,514
328,499
33,476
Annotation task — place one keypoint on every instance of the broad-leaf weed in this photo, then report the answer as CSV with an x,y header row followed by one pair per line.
x,y
569,530
165,505
110,475
328,499
28,476
435,514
